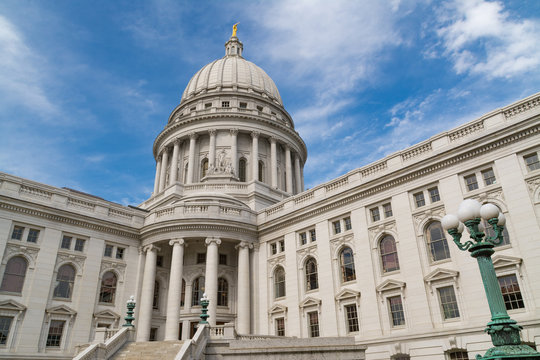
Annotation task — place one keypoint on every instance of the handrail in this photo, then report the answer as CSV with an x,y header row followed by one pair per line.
x,y
193,349
105,350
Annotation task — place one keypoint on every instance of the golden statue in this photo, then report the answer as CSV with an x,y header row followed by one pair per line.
x,y
234,28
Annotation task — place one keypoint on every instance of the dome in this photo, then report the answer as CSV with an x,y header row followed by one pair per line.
x,y
232,72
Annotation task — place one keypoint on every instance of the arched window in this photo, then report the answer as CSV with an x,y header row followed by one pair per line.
x,y
64,281
279,282
183,296
197,291
389,256
346,259
261,171
204,167
222,292
311,274
242,169
14,274
155,300
108,288
436,240
185,172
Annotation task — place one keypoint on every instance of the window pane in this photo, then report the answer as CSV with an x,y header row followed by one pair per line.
x,y
313,324
282,245
470,182
511,292
437,242
348,272
273,248
447,298
108,288
303,238
108,250
56,328
222,259
17,232
120,253
33,235
66,242
532,162
459,355
242,170
348,225
279,283
201,258
389,256
396,310
419,199
64,282
223,292
79,245
387,210
5,324
280,327
337,227
311,275
313,235
352,318
155,300
375,216
197,291
13,280
434,194
489,177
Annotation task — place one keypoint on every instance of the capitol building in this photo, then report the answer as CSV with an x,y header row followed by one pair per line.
x,y
360,263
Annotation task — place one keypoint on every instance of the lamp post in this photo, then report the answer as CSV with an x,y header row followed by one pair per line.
x,y
503,330
130,306
204,310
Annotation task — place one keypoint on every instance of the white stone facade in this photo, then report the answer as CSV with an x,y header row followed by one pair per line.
x,y
229,207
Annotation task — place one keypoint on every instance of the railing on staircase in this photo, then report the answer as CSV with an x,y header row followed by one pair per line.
x,y
104,351
193,349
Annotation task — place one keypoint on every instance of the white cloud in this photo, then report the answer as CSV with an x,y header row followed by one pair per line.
x,y
482,38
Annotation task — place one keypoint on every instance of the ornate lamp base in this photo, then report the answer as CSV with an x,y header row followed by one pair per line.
x,y
510,352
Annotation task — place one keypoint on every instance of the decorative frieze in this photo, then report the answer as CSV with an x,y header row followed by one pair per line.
x,y
531,104
466,131
304,197
374,169
80,204
30,252
35,192
303,252
229,211
339,241
164,212
416,151
421,217
119,214
194,209
75,259
533,184
273,210
119,267
337,184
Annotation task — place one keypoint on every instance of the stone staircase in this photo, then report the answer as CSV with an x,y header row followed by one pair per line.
x,y
150,350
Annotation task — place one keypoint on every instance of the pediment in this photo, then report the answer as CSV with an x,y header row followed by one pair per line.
x,y
309,301
390,284
61,310
441,274
347,294
11,305
277,309
107,314
501,261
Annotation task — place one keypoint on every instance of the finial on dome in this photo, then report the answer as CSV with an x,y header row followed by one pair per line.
x,y
234,47
234,28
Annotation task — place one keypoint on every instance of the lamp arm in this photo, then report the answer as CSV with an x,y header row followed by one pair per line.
x,y
457,237
497,239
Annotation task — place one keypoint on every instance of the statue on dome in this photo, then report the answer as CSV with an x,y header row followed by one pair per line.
x,y
234,28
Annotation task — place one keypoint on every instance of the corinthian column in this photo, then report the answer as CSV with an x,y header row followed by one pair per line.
x,y
164,164
212,150
243,311
273,161
297,175
211,277
174,163
234,151
288,168
255,155
191,158
147,294
156,180
175,289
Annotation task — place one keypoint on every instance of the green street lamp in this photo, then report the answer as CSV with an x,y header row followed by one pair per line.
x,y
503,330
130,307
204,310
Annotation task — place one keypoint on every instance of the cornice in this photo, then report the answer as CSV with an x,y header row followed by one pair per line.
x,y
145,234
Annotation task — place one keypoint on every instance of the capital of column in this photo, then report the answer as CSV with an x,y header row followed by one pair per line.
x,y
164,150
212,132
211,240
255,134
273,139
177,241
141,250
234,131
193,136
151,247
177,141
243,245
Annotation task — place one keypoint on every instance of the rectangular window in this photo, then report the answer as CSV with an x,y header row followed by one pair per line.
x,y
532,162
79,245
303,238
108,251
280,327
224,104
153,334
281,245
56,328
336,225
375,216
313,324
489,177
5,325
312,235
419,199
511,292
66,242
192,109
17,232
201,258
459,355
352,318
222,259
207,105
434,194
396,310
348,225
33,235
470,182
159,260
387,208
120,253
447,299
273,248
243,105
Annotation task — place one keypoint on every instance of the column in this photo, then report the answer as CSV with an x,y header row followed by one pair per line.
x,y
174,163
191,158
164,164
273,161
243,311
288,169
255,155
211,276
297,174
302,176
212,150
147,294
234,151
158,171
175,290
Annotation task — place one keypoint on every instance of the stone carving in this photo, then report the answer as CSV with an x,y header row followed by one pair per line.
x,y
338,242
77,260
223,164
14,249
421,217
119,267
376,231
533,185
302,253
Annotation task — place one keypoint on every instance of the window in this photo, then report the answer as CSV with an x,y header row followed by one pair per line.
x,y
155,299
243,105
14,275
17,233
108,251
204,168
389,256
159,260
352,318
242,170
281,245
153,334
303,238
193,109
225,104
470,182
33,235
311,274
491,233
120,253
201,258
222,259
375,216
459,355
197,291
401,357
186,173
348,225
313,318
532,162
313,235
183,295
54,337
279,282
207,105
348,273
108,288
434,194
79,245
336,225
447,299
419,199
64,281
223,292
260,108
5,325
280,327
273,248
387,208
511,292
489,177
437,242
66,242
396,310
261,171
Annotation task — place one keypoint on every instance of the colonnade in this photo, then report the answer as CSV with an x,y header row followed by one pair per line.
x,y
161,181
175,287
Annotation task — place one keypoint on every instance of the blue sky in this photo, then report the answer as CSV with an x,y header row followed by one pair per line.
x,y
85,86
